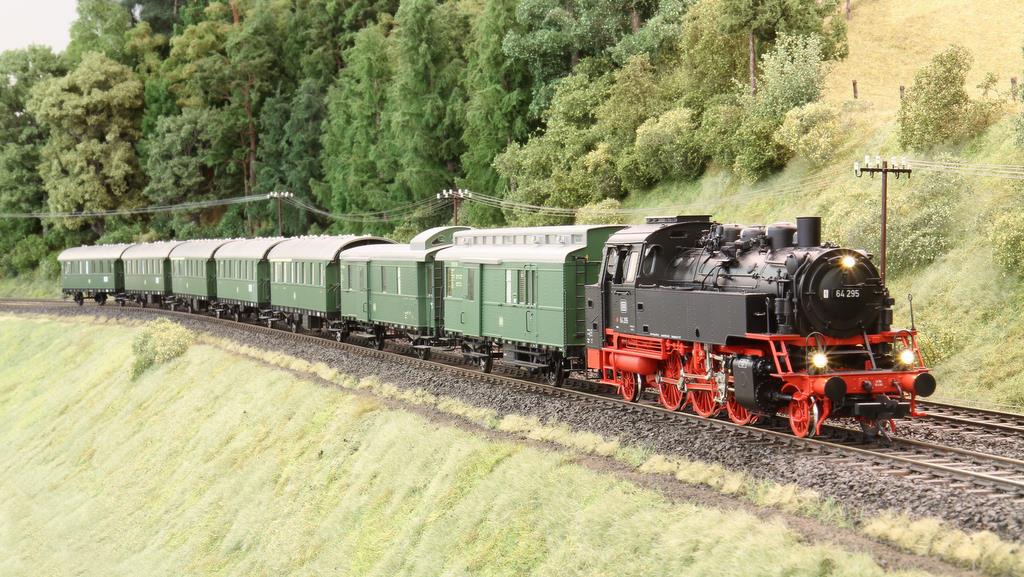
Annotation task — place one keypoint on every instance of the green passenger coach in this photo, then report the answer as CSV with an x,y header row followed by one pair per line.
x,y
394,290
304,278
92,272
147,271
194,274
243,276
522,289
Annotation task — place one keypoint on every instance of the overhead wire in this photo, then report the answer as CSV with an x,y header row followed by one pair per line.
x,y
194,205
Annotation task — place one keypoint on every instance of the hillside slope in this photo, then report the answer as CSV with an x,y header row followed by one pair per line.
x,y
966,307
214,464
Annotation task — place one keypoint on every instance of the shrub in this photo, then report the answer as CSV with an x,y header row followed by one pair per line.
x,y
937,108
718,126
28,253
812,131
1018,129
604,212
158,342
921,219
1007,239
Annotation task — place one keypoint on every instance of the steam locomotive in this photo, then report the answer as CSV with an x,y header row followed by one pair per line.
x,y
757,320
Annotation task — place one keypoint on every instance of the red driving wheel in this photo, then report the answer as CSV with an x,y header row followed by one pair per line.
x,y
703,403
738,413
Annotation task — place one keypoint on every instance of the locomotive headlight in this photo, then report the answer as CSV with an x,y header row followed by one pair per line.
x,y
819,360
907,357
848,262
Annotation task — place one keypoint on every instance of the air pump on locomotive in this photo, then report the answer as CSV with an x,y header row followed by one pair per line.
x,y
755,321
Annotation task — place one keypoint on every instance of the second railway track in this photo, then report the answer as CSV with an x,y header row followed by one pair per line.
x,y
922,462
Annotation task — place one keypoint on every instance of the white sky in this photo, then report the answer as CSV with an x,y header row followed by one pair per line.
x,y
24,22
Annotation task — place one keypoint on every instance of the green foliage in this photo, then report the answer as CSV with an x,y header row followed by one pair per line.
x,y
793,73
603,212
922,220
812,131
497,106
1006,235
937,108
92,116
715,61
158,342
666,148
101,27
26,255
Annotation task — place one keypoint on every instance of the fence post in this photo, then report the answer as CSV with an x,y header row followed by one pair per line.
x,y
1013,88
855,90
902,90
849,8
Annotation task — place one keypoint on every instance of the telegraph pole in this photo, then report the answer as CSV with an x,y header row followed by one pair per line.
x,y
456,195
279,195
885,168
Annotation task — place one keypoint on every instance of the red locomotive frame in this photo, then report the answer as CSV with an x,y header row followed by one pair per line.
x,y
684,375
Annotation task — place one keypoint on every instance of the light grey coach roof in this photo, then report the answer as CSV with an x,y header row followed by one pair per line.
x,y
256,248
159,249
548,244
419,248
324,248
98,252
201,248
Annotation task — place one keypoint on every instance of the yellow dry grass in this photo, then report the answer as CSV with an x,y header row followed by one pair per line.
x,y
214,464
891,39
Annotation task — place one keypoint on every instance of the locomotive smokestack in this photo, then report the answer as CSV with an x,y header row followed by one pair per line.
x,y
808,231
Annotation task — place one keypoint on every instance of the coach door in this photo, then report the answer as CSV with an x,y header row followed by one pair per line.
x,y
622,266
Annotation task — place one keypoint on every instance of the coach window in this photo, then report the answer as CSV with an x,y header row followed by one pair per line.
x,y
398,280
470,284
449,282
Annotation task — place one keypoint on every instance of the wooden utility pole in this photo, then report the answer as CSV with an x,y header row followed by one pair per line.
x,y
456,195
884,168
280,195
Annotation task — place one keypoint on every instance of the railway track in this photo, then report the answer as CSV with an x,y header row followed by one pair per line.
x,y
922,462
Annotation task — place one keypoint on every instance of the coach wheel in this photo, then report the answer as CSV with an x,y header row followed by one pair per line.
x,y
237,316
671,397
631,386
422,353
738,413
341,336
802,415
556,373
80,299
293,325
270,323
120,302
703,403
101,299
142,302
379,339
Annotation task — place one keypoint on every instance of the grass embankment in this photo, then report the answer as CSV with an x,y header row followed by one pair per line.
x,y
967,308
32,285
212,463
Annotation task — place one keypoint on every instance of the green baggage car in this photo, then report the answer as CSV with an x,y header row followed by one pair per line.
x,y
147,271
94,272
243,277
194,274
394,290
518,293
304,279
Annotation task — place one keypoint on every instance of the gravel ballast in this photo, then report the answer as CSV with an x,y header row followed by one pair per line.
x,y
862,489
